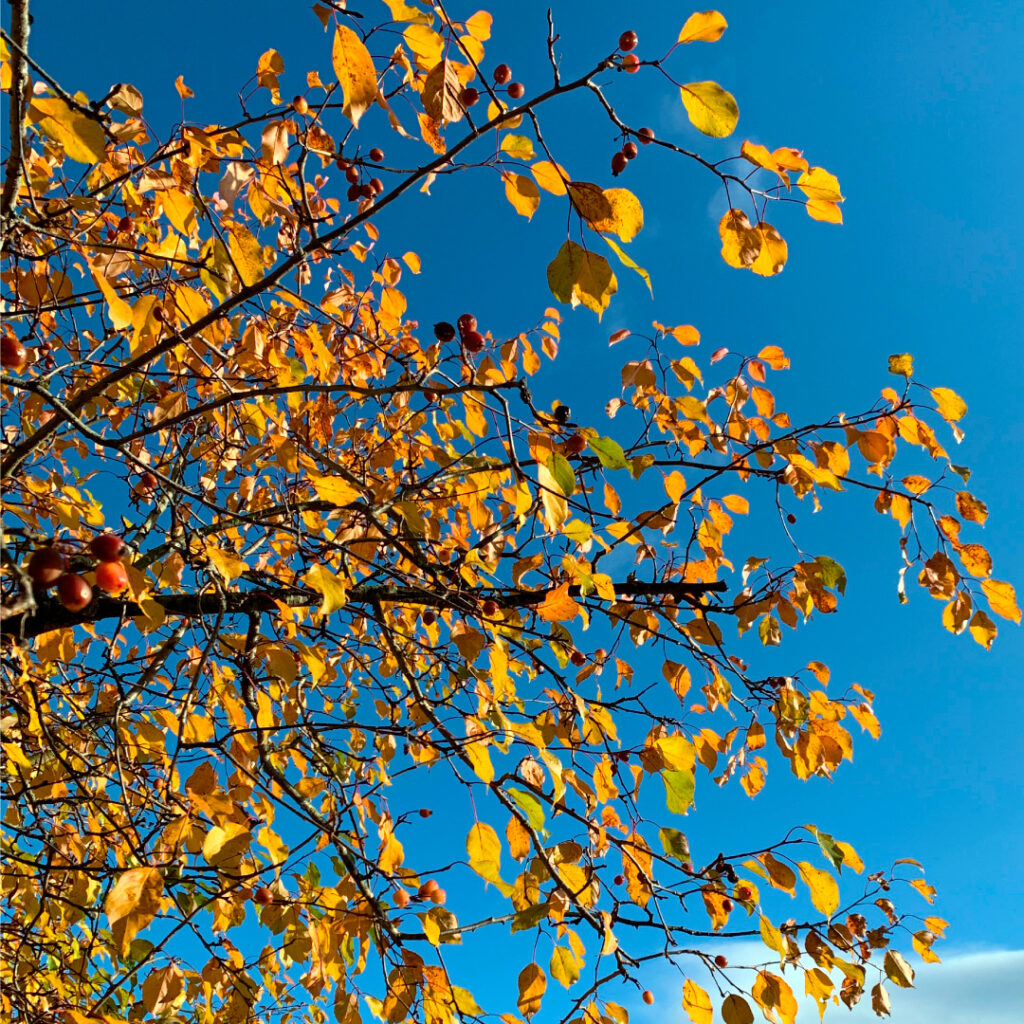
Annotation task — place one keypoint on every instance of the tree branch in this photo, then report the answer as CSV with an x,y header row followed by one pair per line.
x,y
20,23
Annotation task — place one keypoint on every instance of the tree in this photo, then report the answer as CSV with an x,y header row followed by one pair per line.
x,y
279,561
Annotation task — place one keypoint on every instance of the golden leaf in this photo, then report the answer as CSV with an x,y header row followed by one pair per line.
x,y
950,405
80,136
331,587
579,276
771,257
532,984
697,1003
817,183
522,193
902,364
1002,599
703,27
551,177
133,903
741,243
710,108
736,1010
558,606
246,254
823,888
773,994
353,67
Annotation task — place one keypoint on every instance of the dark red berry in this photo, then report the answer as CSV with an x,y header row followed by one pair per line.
x,y
502,74
377,155
619,162
721,961
428,618
473,341
13,354
352,174
73,592
578,658
354,192
516,90
629,150
466,322
107,547
443,331
628,40
376,186
490,609
111,577
469,97
646,136
46,566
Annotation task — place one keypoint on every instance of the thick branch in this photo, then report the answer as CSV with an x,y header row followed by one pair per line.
x,y
16,126
50,616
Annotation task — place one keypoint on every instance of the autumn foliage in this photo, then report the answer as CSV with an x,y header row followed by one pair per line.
x,y
328,645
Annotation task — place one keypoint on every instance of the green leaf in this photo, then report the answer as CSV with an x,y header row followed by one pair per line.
x,y
562,472
675,844
609,452
678,790
832,573
531,807
627,261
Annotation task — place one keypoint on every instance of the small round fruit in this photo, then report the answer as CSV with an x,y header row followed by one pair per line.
x,y
73,592
646,136
466,322
352,174
425,812
13,355
502,74
648,997
631,63
125,226
46,566
727,905
473,341
376,186
628,41
430,396
354,192
146,485
401,898
444,332
107,547
376,155
578,658
111,577
744,892
575,444
263,896
426,889
516,90
721,961
342,164
469,97
428,618
687,866
629,150
490,609
300,105
438,896
790,518
619,162
620,879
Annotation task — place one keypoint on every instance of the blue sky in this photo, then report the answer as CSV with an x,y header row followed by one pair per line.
x,y
915,107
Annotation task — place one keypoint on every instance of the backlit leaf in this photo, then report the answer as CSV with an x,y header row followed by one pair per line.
x,y
353,67
1002,599
950,405
697,1003
132,903
822,886
703,27
532,984
558,606
522,193
710,108
817,183
579,276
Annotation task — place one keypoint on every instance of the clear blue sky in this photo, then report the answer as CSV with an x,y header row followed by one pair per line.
x,y
916,108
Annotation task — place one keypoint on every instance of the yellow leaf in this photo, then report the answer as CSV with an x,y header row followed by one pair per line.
x,y
741,243
80,136
532,984
710,108
353,67
334,489
479,26
522,193
898,970
636,866
330,587
119,311
133,903
226,843
577,275
977,561
228,565
484,850
556,508
401,11
480,759
246,254
703,27
902,364
971,508
391,855
270,66
551,177
697,1003
983,629
950,405
183,90
823,210
823,888
164,990
564,967
851,859
773,994
773,251
1002,599
817,183
558,606
614,210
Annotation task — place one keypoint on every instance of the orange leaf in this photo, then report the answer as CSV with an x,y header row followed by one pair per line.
x,y
558,606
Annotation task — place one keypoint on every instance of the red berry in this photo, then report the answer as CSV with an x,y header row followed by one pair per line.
x,y
263,896
629,150
575,444
473,341
790,518
146,485
490,609
466,322
426,889
300,105
502,74
125,226
111,577
648,997
744,892
628,40
354,192
425,812
469,97
727,905
428,618
631,63
376,155
444,332
516,90
721,961
430,396
620,880
376,186
107,547
342,164
401,898
352,174
13,354
619,162
646,136
578,658
46,566
73,592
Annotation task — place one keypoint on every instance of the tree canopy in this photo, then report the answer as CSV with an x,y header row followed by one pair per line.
x,y
328,643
